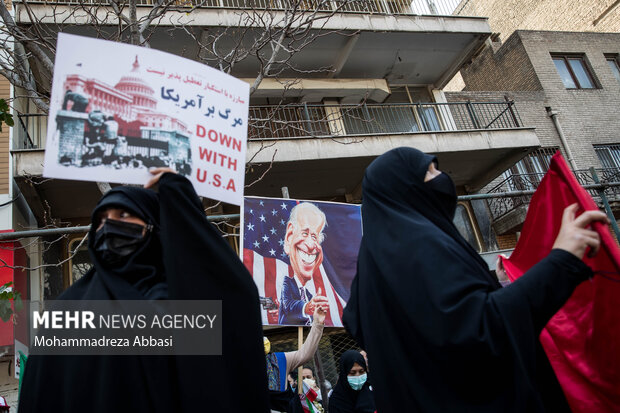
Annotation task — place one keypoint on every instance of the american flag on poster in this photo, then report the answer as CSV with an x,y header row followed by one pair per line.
x,y
296,257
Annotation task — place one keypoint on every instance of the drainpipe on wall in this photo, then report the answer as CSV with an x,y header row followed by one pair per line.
x,y
554,117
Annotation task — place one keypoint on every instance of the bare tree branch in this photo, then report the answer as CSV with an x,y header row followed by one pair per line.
x,y
265,38
29,43
260,178
58,264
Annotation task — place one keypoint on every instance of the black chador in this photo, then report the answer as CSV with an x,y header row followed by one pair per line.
x,y
440,332
344,398
180,257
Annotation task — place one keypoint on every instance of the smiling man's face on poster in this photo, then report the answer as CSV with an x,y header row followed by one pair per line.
x,y
302,243
289,244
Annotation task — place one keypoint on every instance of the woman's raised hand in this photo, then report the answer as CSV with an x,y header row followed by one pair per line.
x,y
575,235
157,172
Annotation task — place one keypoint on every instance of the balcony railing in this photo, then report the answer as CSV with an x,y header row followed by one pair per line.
x,y
316,121
328,121
394,7
501,206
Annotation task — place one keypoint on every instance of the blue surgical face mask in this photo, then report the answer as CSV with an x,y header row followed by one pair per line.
x,y
357,382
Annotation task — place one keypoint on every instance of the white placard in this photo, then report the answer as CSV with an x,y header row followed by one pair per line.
x,y
117,110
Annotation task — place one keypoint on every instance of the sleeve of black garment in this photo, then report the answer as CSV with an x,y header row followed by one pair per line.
x,y
546,286
448,310
351,314
336,409
340,404
521,309
200,265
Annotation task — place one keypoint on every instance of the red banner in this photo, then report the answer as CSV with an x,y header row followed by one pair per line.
x,y
583,338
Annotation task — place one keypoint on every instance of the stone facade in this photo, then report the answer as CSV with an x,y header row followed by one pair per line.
x,y
507,67
523,70
5,176
506,16
507,241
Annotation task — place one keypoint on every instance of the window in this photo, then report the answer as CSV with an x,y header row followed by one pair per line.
x,y
400,115
613,65
574,71
609,155
464,223
431,121
529,171
536,162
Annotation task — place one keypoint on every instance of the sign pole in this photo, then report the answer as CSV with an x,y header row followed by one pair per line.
x,y
300,330
300,342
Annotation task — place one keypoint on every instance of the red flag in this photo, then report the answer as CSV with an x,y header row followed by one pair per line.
x,y
582,340
307,399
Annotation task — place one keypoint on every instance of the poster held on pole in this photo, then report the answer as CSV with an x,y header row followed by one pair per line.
x,y
117,110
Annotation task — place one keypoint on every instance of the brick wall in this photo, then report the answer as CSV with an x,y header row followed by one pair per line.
x,y
505,68
507,241
587,116
530,107
4,141
506,16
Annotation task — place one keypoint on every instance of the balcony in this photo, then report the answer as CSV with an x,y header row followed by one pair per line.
x,y
320,151
325,121
391,7
404,42
324,149
508,213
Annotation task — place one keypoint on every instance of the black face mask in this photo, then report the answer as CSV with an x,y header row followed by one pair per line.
x,y
116,241
444,189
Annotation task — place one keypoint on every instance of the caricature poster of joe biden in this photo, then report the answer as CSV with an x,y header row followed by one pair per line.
x,y
301,254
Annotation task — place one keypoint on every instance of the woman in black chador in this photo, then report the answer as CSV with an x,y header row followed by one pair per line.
x,y
442,335
148,245
352,393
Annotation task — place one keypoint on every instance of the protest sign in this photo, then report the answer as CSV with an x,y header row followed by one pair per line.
x,y
298,251
117,110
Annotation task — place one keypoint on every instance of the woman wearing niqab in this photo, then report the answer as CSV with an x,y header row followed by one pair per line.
x,y
177,255
441,332
346,399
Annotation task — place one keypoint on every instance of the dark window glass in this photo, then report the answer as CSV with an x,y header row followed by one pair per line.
x,y
581,73
462,222
430,118
537,162
613,65
529,171
609,155
574,72
564,72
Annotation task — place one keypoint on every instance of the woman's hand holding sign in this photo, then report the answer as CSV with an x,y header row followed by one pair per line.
x,y
157,172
